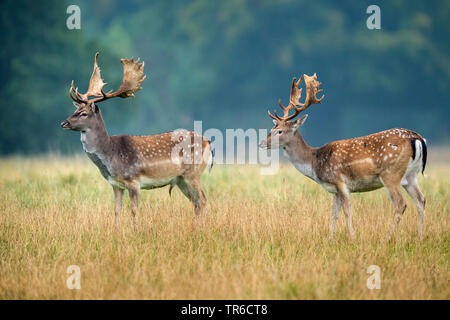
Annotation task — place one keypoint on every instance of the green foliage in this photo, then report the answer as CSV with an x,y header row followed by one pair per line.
x,y
225,62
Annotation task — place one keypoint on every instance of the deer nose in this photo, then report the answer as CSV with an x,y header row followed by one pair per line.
x,y
65,124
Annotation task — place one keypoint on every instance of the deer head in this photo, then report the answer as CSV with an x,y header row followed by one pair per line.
x,y
284,128
87,113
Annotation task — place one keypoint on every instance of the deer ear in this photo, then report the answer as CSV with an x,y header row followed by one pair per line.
x,y
299,122
275,122
94,108
76,104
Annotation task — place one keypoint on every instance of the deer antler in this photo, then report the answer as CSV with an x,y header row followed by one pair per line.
x,y
96,83
77,98
133,75
312,89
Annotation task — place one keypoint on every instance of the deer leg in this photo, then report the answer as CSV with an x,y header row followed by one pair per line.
x,y
118,200
345,199
348,215
399,207
419,200
134,202
192,190
337,205
200,203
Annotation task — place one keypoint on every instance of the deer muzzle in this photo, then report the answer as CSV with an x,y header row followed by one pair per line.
x,y
66,125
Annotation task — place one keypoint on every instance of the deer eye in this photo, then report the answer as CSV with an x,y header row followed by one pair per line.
x,y
279,131
84,114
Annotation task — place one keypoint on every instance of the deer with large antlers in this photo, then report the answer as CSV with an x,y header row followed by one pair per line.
x,y
390,158
132,163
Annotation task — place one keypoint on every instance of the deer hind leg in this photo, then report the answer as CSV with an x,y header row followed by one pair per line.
x,y
133,192
337,205
419,200
398,202
191,188
118,200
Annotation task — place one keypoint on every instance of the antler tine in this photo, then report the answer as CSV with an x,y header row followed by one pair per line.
x,y
275,117
70,92
79,95
77,98
293,101
71,95
285,109
296,93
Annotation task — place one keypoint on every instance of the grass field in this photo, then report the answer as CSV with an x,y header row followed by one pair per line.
x,y
265,237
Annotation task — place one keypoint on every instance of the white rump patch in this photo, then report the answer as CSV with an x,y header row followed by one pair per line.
x,y
414,166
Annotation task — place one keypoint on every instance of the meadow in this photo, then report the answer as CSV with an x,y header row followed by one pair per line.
x,y
264,237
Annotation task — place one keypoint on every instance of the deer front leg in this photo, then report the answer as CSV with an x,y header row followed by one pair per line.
x,y
344,193
118,200
337,205
133,192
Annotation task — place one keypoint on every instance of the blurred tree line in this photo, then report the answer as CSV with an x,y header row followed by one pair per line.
x,y
226,63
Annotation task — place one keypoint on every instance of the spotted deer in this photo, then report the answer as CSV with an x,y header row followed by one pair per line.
x,y
390,158
127,162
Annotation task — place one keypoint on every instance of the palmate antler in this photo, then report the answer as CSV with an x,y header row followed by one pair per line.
x,y
312,89
133,75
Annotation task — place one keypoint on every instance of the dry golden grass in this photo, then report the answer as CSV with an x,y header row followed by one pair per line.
x,y
265,237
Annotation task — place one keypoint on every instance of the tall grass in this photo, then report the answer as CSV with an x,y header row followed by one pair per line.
x,y
264,237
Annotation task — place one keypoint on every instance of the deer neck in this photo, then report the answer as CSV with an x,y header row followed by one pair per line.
x,y
301,155
96,139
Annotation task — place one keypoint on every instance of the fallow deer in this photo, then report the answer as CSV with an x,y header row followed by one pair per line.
x,y
390,158
137,162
